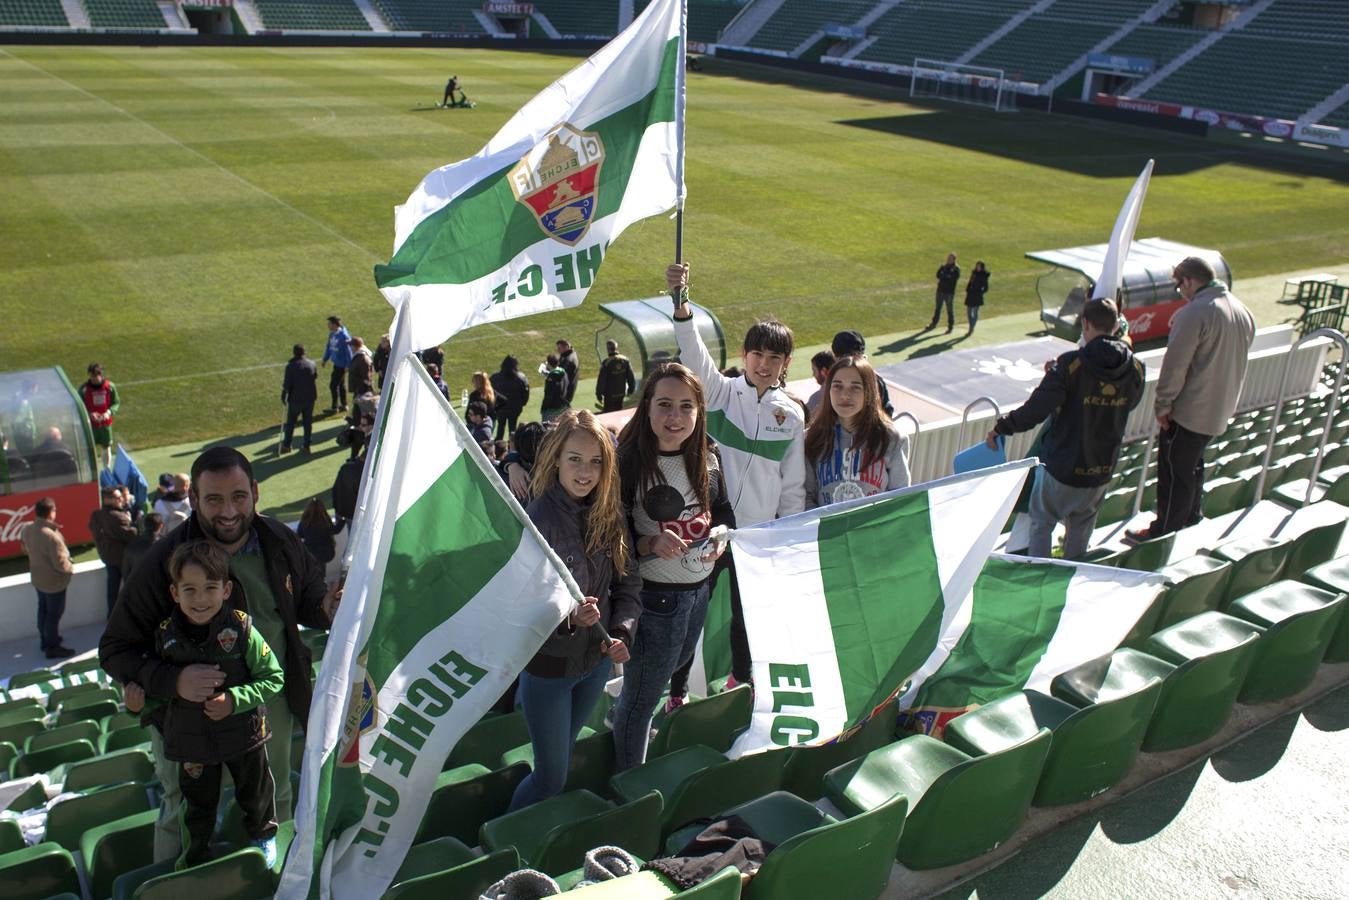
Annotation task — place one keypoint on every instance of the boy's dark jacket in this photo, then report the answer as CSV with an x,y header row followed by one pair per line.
x,y
1090,392
252,676
297,583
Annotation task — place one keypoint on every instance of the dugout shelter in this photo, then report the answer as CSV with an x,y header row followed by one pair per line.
x,y
48,452
645,334
1148,296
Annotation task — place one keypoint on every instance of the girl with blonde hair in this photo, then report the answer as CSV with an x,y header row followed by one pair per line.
x,y
576,508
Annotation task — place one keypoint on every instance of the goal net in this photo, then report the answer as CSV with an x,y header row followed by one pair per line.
x,y
976,85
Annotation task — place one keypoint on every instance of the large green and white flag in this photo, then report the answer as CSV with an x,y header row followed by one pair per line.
x,y
846,603
523,226
450,593
1027,621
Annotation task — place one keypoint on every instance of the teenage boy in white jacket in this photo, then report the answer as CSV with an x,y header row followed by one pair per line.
x,y
759,429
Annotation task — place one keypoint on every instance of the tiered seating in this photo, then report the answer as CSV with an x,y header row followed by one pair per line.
x,y
1302,18
1042,46
454,16
797,20
1339,118
571,19
935,29
1160,43
311,15
706,20
1107,12
125,14
34,14
1259,74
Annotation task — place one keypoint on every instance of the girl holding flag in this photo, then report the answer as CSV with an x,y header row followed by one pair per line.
x,y
852,448
576,509
674,495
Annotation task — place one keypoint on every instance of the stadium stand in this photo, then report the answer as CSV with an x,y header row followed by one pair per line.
x,y
33,14
1319,19
1160,43
311,15
431,15
1042,46
1106,12
1283,76
124,14
935,29
797,20
571,19
706,17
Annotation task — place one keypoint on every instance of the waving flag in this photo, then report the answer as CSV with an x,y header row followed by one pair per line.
x,y
451,591
523,226
1122,238
846,603
1028,621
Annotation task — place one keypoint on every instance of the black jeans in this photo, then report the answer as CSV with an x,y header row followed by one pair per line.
x,y
337,384
253,789
304,415
506,423
50,608
1180,478
114,584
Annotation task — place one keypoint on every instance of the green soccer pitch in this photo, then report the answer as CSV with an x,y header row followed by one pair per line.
x,y
185,215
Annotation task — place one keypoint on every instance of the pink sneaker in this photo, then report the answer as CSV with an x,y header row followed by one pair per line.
x,y
674,703
731,682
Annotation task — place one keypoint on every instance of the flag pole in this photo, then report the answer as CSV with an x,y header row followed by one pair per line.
x,y
680,85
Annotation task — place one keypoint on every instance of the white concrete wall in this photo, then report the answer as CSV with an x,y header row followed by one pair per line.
x,y
86,602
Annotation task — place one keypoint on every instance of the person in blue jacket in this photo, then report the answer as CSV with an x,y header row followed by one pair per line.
x,y
338,352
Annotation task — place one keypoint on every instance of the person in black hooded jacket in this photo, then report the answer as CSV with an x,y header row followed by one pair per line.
x,y
1090,392
512,393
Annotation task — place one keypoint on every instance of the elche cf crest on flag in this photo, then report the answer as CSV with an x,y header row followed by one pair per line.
x,y
558,181
361,708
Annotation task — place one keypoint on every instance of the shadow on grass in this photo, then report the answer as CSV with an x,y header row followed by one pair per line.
x,y
940,341
1072,144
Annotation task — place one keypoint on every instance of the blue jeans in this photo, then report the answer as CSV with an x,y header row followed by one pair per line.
x,y
555,709
972,313
666,639
50,608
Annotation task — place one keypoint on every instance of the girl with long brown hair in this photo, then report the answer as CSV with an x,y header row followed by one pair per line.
x,y
674,495
852,448
576,508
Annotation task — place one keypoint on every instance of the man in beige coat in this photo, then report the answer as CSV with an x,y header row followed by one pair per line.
x,y
1197,391
49,565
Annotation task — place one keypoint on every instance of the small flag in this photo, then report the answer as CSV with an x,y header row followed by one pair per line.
x,y
844,604
451,592
1122,238
1029,620
523,226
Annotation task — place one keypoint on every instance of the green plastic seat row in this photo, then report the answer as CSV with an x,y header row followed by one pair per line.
x,y
553,835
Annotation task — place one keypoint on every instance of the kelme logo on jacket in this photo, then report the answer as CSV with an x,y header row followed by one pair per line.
x,y
558,180
227,637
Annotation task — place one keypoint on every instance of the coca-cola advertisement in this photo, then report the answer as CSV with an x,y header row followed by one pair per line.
x,y
1154,321
74,503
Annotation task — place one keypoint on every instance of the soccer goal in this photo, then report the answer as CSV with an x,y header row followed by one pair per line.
x,y
977,85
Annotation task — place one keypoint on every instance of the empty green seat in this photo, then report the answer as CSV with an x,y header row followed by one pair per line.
x,y
115,847
488,739
110,768
33,676
11,836
805,864
712,722
75,694
124,738
803,775
1197,584
1333,576
243,873
698,781
1299,622
30,798
553,835
119,720
18,733
1224,495
467,796
21,711
68,820
49,758
432,856
1256,562
8,753
87,731
457,877
87,711
960,806
1313,547
1212,653
38,872
1149,555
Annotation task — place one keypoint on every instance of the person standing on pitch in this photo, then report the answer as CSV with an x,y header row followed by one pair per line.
x,y
338,352
1089,392
275,580
102,402
948,276
299,391
616,381
1197,392
975,289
